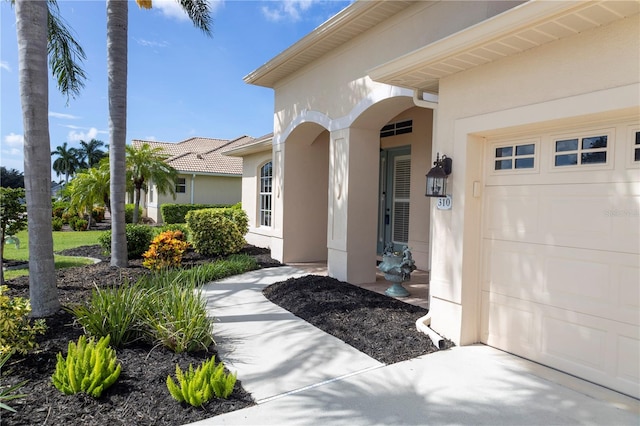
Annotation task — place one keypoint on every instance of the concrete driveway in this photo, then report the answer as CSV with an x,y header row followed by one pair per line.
x,y
300,375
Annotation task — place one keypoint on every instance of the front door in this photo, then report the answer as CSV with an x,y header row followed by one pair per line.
x,y
395,183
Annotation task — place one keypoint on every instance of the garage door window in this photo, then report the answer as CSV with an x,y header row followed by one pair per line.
x,y
515,157
579,151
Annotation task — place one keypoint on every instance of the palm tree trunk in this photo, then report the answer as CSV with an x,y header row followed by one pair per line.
x,y
136,204
31,24
117,22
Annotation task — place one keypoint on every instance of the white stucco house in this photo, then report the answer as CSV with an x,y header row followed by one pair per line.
x,y
205,176
536,250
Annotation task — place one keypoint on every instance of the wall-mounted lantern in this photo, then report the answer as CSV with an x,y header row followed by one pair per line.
x,y
437,177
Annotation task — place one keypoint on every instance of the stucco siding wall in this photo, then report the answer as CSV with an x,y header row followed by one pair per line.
x,y
580,78
217,190
337,83
205,190
259,236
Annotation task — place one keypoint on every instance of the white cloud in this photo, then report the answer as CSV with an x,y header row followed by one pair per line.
x,y
150,138
150,43
172,9
63,116
5,66
287,10
84,136
12,151
14,141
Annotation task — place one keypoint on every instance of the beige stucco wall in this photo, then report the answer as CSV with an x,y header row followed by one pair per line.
x,y
337,84
336,95
200,189
579,79
259,236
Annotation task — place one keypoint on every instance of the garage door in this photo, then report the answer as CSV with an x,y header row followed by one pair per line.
x,y
561,251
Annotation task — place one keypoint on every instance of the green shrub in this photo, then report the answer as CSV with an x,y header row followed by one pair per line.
x,y
176,213
214,233
128,212
166,251
57,223
97,213
239,217
138,240
67,217
80,224
7,394
59,208
89,367
176,315
114,312
17,333
199,386
182,227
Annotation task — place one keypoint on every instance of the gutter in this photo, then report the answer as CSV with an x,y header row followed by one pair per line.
x,y
420,101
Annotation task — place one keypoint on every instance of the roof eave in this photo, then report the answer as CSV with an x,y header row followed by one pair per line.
x,y
404,71
252,148
264,77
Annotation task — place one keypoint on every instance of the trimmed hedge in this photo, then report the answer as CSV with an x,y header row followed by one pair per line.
x,y
217,232
139,238
128,212
176,213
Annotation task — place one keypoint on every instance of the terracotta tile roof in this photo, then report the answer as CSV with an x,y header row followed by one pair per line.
x,y
201,155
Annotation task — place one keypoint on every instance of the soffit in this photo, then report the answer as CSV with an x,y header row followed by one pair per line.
x,y
341,28
529,25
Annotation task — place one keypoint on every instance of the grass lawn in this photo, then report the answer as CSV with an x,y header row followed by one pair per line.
x,y
62,240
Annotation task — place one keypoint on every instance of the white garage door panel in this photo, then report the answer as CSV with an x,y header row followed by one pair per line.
x,y
499,313
597,283
560,280
596,216
599,350
605,352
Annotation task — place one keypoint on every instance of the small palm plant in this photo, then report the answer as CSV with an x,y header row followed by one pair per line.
x,y
7,394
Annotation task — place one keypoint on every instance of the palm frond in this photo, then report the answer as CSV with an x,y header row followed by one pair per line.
x,y
65,54
199,13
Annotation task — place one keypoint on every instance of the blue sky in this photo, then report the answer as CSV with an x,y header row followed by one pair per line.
x,y
181,83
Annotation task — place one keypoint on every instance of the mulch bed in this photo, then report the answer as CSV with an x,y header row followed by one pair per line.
x,y
375,324
380,326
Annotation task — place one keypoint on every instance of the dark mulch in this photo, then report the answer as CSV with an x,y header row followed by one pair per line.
x,y
140,395
380,326
377,325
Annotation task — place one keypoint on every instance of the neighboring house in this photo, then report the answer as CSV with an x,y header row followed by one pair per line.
x,y
205,176
538,105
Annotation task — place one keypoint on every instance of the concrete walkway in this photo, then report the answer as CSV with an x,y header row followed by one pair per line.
x,y
300,375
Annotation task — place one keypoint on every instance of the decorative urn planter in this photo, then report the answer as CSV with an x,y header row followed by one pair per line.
x,y
397,268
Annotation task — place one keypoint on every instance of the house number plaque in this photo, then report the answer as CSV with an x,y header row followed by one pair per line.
x,y
444,203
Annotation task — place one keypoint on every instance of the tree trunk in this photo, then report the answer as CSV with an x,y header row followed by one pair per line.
x,y
117,74
31,24
136,205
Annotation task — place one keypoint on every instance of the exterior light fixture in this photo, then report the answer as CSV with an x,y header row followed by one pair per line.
x,y
437,177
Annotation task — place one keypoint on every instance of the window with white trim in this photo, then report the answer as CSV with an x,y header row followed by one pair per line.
x,y
266,191
516,156
581,151
636,148
181,185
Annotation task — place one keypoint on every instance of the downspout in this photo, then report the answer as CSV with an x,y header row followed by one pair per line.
x,y
193,186
423,323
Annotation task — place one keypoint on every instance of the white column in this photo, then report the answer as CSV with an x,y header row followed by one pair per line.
x,y
353,215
